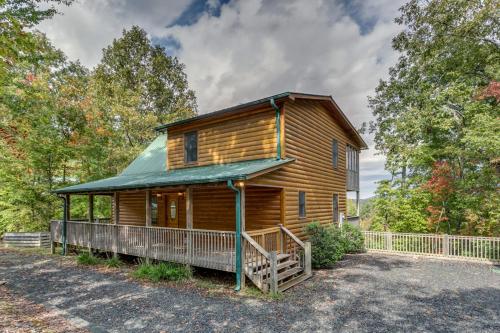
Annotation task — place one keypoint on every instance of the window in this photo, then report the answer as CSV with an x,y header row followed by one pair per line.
x,y
335,208
154,210
302,204
191,147
335,153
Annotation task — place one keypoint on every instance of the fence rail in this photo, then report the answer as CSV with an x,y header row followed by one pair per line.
x,y
203,248
452,246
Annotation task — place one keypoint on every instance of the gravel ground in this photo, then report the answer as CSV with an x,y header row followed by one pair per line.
x,y
364,293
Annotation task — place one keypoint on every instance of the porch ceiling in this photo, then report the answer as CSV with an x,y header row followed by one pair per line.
x,y
186,176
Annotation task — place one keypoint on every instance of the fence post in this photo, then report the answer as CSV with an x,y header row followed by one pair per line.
x,y
446,245
274,271
389,241
115,240
307,258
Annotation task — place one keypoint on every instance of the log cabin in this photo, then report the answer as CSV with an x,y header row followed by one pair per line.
x,y
230,190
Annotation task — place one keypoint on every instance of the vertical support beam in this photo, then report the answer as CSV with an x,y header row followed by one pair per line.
x,y
242,212
274,272
91,208
357,203
307,258
189,222
116,221
68,207
148,208
116,205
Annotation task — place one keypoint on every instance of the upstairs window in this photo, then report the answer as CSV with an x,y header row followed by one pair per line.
x,y
191,147
302,204
335,153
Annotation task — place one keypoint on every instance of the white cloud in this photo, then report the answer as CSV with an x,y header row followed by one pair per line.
x,y
257,48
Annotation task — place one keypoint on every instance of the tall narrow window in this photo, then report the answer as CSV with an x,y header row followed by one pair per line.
x,y
335,153
154,210
302,204
190,147
335,208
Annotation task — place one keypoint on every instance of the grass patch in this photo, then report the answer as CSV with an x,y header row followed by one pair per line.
x,y
113,262
162,272
88,259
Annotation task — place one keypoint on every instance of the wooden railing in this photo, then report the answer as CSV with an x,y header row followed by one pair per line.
x,y
262,250
257,263
203,248
452,246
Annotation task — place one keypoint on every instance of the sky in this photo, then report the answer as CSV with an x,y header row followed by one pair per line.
x,y
236,51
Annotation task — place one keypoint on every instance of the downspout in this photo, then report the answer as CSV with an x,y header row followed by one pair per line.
x,y
64,226
238,233
278,129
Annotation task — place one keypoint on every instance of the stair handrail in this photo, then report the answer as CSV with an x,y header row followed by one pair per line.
x,y
256,245
292,236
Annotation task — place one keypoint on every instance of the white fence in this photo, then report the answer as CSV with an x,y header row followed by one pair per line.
x,y
452,246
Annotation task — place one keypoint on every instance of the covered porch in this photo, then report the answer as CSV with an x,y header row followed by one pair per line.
x,y
204,216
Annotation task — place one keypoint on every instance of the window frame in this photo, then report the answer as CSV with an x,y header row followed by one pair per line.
x,y
302,215
335,202
335,153
154,210
186,135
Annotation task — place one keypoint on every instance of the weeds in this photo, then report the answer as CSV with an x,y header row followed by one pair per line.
x,y
162,272
113,262
88,259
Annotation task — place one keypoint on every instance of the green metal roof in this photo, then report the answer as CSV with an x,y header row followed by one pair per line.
x,y
152,159
185,176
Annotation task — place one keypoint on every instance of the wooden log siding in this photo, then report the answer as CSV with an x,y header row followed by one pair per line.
x,y
132,208
231,140
310,129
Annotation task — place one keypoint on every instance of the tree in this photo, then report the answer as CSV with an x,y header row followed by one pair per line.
x,y
439,106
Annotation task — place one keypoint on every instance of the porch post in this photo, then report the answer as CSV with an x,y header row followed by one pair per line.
x,y
237,246
148,208
357,203
116,220
148,224
242,212
91,208
189,222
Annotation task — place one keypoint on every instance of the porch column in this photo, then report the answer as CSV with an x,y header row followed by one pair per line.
x,y
242,212
91,208
68,207
116,220
116,205
357,203
189,221
148,208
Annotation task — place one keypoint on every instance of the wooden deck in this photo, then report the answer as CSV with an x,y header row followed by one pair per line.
x,y
273,258
202,248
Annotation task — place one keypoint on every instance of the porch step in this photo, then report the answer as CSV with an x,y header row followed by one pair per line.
x,y
292,282
289,272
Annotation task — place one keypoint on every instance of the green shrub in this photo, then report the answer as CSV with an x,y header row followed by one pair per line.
x,y
162,271
113,262
87,258
327,245
354,241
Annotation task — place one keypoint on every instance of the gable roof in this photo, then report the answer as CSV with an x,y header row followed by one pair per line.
x,y
186,176
326,100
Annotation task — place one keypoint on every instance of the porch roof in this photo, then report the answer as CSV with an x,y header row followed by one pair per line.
x,y
185,176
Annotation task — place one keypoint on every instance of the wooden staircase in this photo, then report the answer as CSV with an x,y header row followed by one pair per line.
x,y
275,259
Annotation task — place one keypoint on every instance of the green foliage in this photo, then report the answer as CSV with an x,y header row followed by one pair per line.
x,y
162,271
399,209
439,106
327,244
113,262
353,239
61,123
88,259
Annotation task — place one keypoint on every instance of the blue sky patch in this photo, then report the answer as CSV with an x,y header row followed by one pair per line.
x,y
196,9
354,10
171,44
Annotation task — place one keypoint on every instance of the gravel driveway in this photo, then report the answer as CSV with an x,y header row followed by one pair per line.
x,y
367,292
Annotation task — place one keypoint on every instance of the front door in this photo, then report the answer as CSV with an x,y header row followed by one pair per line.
x,y
172,210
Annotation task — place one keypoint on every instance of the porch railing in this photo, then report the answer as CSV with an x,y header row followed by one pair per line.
x,y
202,248
451,246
